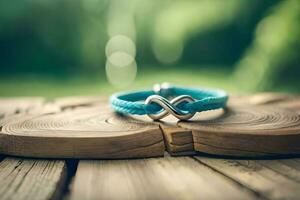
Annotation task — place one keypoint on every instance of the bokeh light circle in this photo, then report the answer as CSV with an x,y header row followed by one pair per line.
x,y
121,69
120,43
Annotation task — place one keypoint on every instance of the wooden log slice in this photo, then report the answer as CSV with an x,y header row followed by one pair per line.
x,y
179,141
247,131
80,133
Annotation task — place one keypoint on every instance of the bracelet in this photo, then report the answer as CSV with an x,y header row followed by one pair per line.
x,y
156,103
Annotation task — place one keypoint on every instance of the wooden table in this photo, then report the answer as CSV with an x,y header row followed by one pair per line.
x,y
200,176
196,177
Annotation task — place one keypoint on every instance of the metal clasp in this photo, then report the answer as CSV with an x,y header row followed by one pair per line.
x,y
163,89
169,107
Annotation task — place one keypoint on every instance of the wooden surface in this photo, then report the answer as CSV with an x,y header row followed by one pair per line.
x,y
247,131
80,132
271,179
178,140
258,125
86,127
161,178
229,133
188,177
198,177
24,179
31,179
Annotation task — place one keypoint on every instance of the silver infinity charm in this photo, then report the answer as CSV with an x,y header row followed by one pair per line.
x,y
170,106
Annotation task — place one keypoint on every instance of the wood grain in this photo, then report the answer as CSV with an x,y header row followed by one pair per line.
x,y
85,132
178,141
248,131
31,179
155,178
248,128
270,179
289,168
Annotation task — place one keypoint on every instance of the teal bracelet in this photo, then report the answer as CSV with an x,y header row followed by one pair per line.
x,y
155,103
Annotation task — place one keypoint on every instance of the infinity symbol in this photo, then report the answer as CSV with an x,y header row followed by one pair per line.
x,y
170,106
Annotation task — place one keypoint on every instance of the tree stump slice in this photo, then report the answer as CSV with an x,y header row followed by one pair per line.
x,y
85,127
247,131
84,132
179,140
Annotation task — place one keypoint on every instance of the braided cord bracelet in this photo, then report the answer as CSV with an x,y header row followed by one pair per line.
x,y
156,104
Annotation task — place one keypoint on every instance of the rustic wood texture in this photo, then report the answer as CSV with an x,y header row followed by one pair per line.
x,y
198,177
248,131
27,178
155,178
90,132
85,127
271,179
24,179
178,141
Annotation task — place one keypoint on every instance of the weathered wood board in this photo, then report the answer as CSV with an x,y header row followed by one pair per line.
x,y
270,179
154,178
31,179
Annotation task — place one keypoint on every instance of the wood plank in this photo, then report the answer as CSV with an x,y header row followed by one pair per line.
x,y
287,167
155,178
31,179
259,176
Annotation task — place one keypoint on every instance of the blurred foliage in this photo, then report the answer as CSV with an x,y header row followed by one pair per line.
x,y
256,42
275,51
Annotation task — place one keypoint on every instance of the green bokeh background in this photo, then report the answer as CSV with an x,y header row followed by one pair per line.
x,y
57,47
